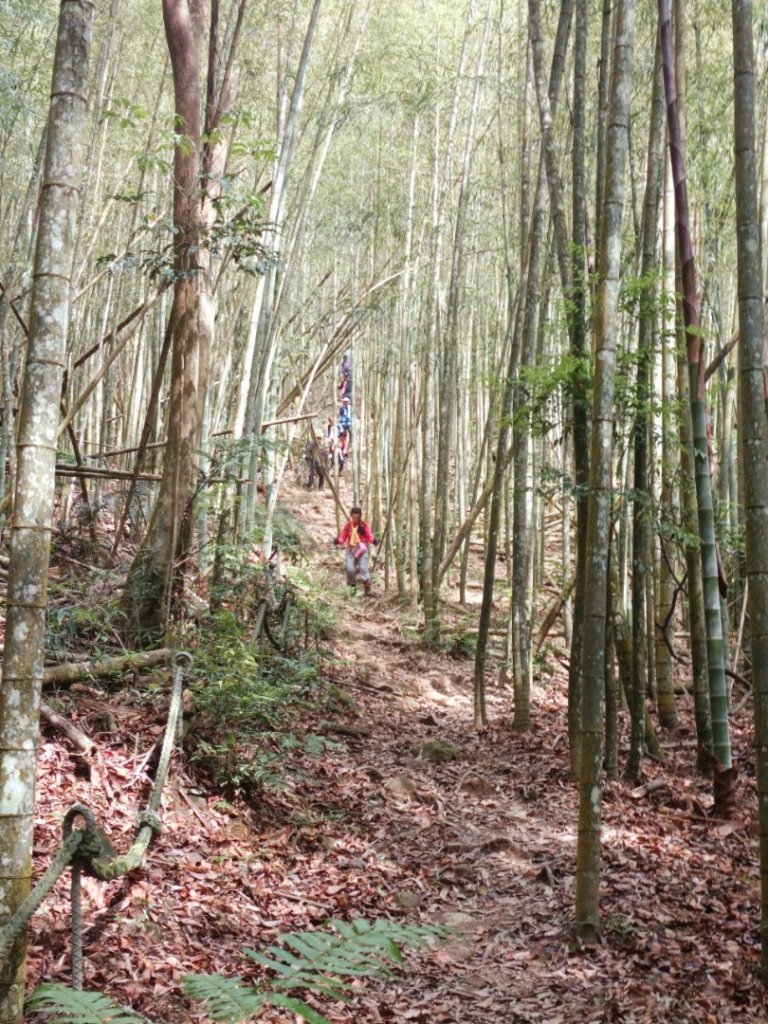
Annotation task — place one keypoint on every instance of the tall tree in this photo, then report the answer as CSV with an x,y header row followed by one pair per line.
x,y
33,503
199,159
694,345
579,382
600,482
641,509
753,427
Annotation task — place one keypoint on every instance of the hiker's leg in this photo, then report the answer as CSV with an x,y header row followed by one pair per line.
x,y
362,567
351,567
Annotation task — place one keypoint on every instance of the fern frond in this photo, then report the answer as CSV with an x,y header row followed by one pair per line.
x,y
63,1005
326,961
225,999
296,1006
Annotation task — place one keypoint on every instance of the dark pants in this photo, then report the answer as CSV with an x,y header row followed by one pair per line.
x,y
316,471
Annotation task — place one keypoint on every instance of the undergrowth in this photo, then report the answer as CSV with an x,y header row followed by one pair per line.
x,y
250,692
259,636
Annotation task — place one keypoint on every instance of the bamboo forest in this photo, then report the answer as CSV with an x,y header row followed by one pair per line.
x,y
383,511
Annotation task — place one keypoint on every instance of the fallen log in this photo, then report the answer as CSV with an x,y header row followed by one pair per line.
x,y
72,671
355,731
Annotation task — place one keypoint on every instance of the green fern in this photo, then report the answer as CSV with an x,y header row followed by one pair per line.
x,y
63,1005
225,998
322,962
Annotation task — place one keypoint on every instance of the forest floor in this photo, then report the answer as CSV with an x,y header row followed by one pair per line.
x,y
484,843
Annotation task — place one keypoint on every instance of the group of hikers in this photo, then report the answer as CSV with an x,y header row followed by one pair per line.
x,y
322,457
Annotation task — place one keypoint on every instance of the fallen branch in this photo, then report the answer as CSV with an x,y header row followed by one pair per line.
x,y
552,615
288,419
649,787
69,672
75,736
358,731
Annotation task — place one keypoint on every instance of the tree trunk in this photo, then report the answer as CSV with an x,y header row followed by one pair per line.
x,y
641,507
600,483
664,618
33,506
579,402
151,580
753,429
694,343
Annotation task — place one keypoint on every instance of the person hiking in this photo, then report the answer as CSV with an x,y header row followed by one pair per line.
x,y
344,417
314,458
343,448
357,536
345,387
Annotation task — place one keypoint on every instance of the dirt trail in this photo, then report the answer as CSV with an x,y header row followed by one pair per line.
x,y
486,842
475,841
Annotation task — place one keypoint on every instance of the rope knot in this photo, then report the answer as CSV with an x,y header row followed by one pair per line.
x,y
151,819
90,844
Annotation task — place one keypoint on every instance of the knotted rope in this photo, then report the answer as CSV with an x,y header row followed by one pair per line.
x,y
89,851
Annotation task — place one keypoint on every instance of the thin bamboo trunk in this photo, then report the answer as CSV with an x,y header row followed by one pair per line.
x,y
600,486
641,508
753,427
706,521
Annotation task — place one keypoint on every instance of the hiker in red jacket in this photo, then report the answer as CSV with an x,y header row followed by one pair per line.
x,y
357,536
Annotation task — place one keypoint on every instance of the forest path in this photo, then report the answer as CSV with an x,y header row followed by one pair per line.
x,y
474,841
487,844
363,824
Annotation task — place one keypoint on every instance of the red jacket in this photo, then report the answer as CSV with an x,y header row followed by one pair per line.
x,y
363,532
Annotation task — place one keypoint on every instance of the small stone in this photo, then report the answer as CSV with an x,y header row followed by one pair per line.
x,y
408,900
438,751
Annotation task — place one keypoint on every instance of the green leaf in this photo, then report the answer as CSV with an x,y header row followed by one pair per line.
x,y
296,1006
64,1005
273,965
224,998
